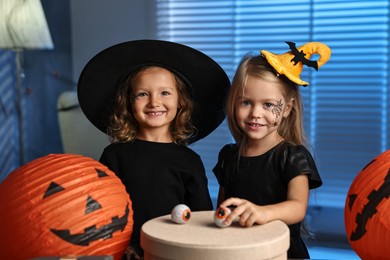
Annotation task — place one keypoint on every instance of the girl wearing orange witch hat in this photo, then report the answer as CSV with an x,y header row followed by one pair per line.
x,y
267,174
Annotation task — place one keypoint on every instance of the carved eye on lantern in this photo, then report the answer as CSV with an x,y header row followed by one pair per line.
x,y
90,233
64,205
367,210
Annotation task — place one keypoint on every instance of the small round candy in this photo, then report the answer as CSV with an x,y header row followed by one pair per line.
x,y
181,214
220,215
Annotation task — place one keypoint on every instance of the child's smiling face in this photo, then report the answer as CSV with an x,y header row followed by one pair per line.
x,y
156,100
261,108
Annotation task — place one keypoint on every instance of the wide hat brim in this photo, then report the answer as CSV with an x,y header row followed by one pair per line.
x,y
102,75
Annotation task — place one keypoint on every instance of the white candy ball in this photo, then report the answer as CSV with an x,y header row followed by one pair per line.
x,y
220,215
181,214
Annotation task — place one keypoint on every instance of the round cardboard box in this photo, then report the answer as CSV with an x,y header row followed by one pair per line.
x,y
201,238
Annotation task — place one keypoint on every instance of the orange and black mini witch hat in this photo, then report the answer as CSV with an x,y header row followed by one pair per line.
x,y
291,63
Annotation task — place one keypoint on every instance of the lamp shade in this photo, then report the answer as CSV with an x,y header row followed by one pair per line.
x,y
23,25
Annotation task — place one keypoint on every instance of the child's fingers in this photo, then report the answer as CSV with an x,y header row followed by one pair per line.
x,y
237,206
231,202
247,219
244,218
236,213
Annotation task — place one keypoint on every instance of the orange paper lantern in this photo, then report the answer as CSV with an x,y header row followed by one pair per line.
x,y
367,210
64,205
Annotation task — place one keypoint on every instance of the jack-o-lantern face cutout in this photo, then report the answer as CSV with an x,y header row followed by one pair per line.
x,y
64,205
91,233
367,210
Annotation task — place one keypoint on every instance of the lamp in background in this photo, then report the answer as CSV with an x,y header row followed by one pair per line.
x,y
22,26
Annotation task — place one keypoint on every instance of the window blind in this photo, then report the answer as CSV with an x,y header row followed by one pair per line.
x,y
346,106
8,114
350,100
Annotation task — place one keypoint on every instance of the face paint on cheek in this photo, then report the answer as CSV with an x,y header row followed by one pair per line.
x,y
277,110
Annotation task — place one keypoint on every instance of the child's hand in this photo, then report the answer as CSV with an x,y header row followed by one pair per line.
x,y
247,212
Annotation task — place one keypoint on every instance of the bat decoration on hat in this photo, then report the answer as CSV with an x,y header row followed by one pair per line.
x,y
299,56
291,63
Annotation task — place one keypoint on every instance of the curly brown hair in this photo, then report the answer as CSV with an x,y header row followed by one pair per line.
x,y
123,127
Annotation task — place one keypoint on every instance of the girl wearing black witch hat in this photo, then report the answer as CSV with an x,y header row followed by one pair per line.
x,y
153,98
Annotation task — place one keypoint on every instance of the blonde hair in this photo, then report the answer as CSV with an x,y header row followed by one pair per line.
x,y
123,127
291,128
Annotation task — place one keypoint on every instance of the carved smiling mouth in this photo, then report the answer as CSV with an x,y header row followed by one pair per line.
x,y
92,233
374,199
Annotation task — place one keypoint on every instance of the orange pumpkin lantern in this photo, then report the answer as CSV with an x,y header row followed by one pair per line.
x,y
64,205
367,210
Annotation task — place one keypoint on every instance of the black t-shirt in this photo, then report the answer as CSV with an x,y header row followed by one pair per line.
x,y
158,176
263,179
